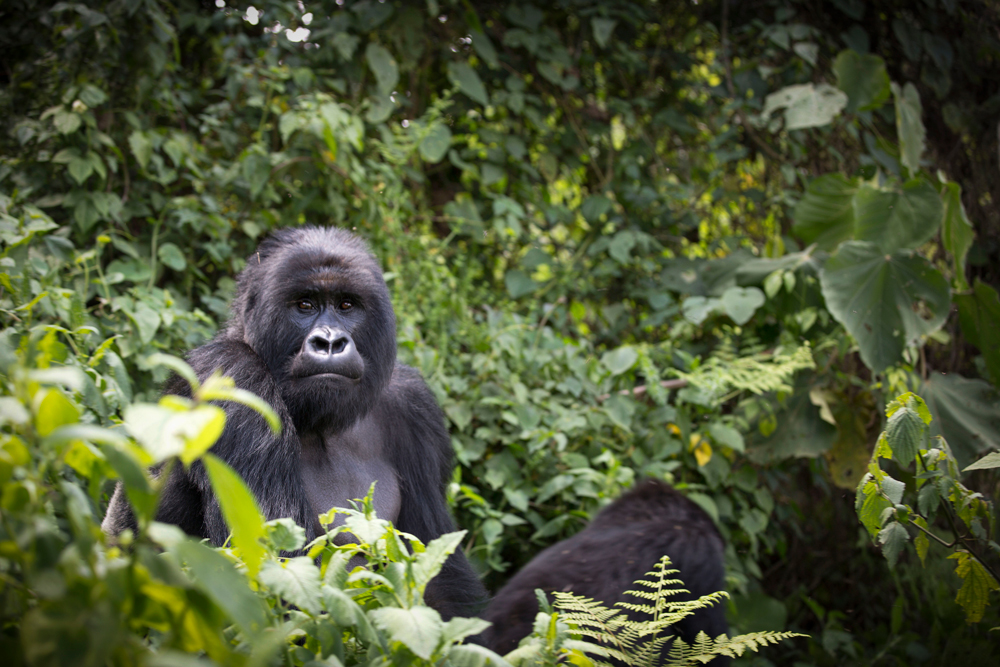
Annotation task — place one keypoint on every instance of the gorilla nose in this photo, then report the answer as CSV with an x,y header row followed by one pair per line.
x,y
327,342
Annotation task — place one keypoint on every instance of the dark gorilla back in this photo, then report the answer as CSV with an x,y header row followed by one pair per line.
x,y
621,544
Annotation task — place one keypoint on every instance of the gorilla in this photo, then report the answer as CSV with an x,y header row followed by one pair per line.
x,y
619,546
312,332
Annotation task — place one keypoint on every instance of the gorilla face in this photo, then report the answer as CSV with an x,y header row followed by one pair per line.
x,y
313,305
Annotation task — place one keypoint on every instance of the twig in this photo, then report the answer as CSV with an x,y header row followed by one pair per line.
x,y
642,389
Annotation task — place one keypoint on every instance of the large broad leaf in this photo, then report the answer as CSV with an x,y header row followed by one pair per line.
x,y
434,146
801,432
909,125
740,303
295,580
885,301
863,78
825,214
897,218
806,105
966,412
957,232
979,314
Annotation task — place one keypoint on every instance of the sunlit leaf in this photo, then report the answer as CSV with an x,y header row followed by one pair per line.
x,y
240,509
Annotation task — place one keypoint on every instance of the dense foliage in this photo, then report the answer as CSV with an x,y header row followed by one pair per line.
x,y
707,242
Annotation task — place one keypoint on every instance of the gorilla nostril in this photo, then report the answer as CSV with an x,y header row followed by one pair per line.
x,y
319,343
338,345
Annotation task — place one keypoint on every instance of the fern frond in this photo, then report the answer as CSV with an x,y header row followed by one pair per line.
x,y
759,373
595,621
705,648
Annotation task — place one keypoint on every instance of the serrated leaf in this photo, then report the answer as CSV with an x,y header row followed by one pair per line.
x,y
893,488
806,105
740,303
296,580
921,542
80,168
966,412
872,506
594,207
384,66
977,583
429,563
285,535
621,246
905,432
418,628
435,144
620,359
147,321
893,539
885,301
895,219
241,512
484,47
909,126
468,82
864,79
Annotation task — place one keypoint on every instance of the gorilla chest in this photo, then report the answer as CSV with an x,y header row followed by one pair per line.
x,y
340,467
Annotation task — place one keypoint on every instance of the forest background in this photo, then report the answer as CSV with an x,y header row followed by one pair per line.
x,y
704,241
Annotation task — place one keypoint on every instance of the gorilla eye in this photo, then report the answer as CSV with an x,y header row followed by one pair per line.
x,y
304,304
345,304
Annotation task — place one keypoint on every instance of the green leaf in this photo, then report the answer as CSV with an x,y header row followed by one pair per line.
x,y
909,126
602,30
977,583
806,105
142,148
893,539
296,580
740,303
886,302
966,412
621,246
801,432
906,434
218,578
864,79
620,359
979,315
895,219
241,512
463,76
285,535
825,214
221,388
435,144
80,168
726,435
484,47
957,233
594,207
54,410
201,428
428,564
419,628
518,283
991,460
256,169
697,308
147,321
383,65
172,256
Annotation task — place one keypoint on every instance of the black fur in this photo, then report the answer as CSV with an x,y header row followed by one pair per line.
x,y
264,349
621,544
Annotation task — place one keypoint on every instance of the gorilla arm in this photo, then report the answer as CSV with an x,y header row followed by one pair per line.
x,y
268,463
421,453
